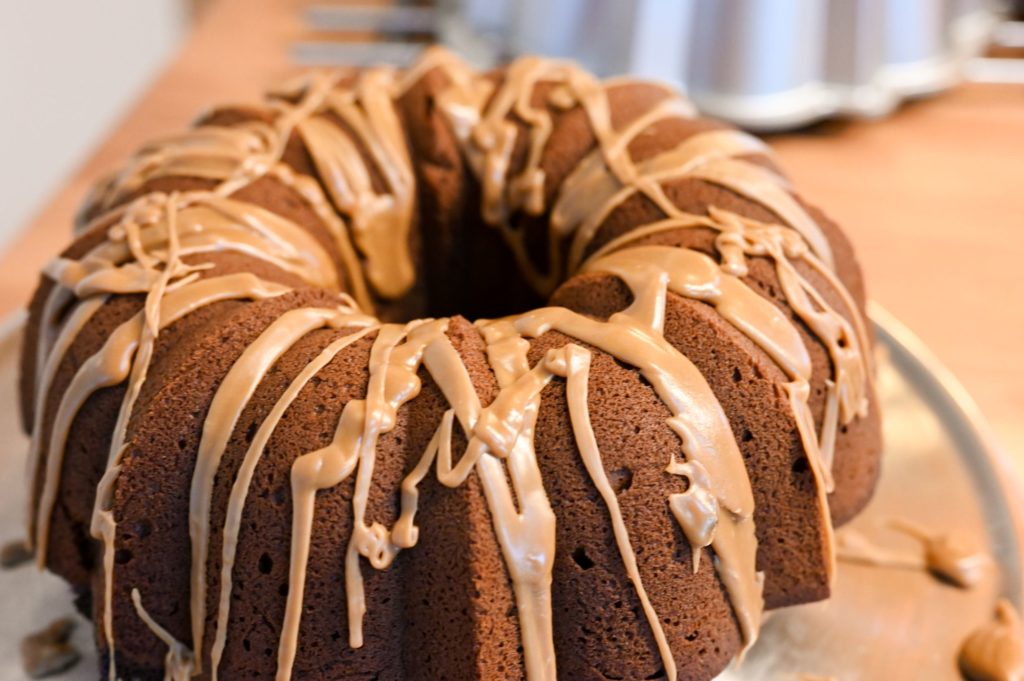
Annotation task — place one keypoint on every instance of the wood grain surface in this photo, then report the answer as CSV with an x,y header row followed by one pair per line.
x,y
933,196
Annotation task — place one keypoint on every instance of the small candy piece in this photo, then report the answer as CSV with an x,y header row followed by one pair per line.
x,y
49,651
14,554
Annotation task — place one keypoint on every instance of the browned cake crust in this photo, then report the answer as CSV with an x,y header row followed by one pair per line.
x,y
214,267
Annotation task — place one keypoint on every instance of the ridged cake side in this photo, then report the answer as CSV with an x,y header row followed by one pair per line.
x,y
247,472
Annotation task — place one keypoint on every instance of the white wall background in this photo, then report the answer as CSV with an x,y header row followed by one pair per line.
x,y
68,70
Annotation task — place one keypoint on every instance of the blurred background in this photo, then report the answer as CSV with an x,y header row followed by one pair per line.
x,y
904,119
74,67
68,71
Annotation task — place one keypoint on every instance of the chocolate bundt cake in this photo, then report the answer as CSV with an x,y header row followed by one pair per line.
x,y
249,463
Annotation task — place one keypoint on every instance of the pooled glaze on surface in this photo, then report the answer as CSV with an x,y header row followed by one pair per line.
x,y
946,559
995,651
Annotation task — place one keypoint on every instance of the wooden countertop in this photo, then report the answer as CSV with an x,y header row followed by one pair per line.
x,y
932,196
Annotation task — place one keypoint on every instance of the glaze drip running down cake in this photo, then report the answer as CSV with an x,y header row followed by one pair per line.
x,y
249,463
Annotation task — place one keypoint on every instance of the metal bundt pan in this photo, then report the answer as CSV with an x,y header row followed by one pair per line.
x,y
762,64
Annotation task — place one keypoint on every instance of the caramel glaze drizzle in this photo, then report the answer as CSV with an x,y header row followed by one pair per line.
x,y
178,663
738,237
605,178
228,402
143,251
380,222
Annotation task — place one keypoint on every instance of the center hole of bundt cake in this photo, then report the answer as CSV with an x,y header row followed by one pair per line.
x,y
478,278
481,299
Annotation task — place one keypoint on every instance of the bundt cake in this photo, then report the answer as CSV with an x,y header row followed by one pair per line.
x,y
249,463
